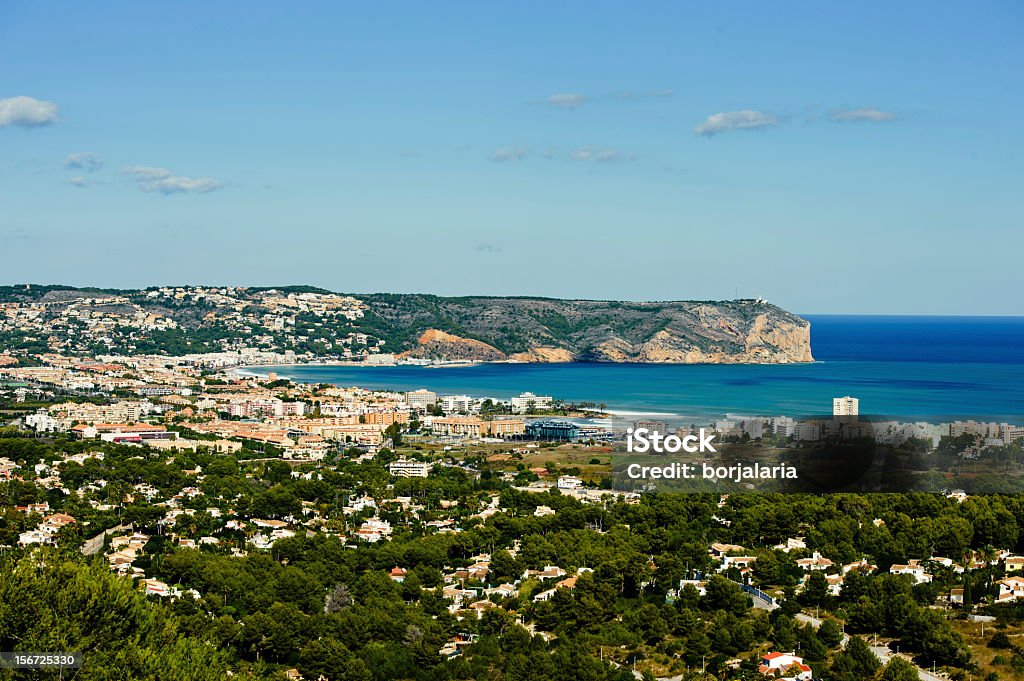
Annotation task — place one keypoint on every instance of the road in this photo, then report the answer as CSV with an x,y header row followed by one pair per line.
x,y
882,652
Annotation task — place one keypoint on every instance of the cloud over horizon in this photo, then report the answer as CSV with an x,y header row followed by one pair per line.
x,y
509,154
27,112
575,100
567,100
746,119
592,154
86,161
150,179
864,113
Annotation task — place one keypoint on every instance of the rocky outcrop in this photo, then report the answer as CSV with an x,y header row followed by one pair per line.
x,y
437,344
543,355
764,343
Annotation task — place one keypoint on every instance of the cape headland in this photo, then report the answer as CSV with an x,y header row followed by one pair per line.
x,y
313,324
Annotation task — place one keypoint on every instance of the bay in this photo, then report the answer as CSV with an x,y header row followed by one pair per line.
x,y
912,368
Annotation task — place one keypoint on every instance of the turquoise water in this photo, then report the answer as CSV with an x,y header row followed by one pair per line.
x,y
920,368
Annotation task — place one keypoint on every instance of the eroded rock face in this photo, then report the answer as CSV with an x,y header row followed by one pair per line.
x,y
789,341
543,355
764,341
437,344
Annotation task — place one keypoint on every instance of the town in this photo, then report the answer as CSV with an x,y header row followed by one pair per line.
x,y
486,532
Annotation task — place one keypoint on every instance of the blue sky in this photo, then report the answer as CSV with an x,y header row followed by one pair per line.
x,y
856,159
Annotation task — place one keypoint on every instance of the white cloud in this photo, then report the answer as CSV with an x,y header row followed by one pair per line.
x,y
864,113
735,120
509,154
150,179
567,100
145,173
596,155
79,181
86,161
27,112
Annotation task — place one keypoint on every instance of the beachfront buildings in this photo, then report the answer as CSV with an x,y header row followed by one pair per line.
x,y
528,403
421,399
457,404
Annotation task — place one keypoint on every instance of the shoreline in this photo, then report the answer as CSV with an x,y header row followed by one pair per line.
x,y
473,363
609,413
243,372
698,393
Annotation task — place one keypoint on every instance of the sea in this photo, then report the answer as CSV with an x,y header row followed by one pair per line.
x,y
933,369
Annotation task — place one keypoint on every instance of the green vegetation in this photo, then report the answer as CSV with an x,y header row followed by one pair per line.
x,y
325,604
56,603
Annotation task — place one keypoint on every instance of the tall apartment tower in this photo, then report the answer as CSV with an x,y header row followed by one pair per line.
x,y
845,406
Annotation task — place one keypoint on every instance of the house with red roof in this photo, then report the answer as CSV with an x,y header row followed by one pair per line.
x,y
785,667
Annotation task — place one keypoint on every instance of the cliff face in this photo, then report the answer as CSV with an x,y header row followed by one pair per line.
x,y
546,330
436,344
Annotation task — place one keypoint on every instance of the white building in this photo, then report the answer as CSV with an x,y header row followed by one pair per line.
x,y
569,482
845,406
420,399
374,529
785,666
42,422
754,428
727,427
528,402
982,430
914,569
457,404
1010,589
815,562
1010,432
783,425
409,469
807,432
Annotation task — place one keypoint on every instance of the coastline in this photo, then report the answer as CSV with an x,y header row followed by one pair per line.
x,y
609,413
936,391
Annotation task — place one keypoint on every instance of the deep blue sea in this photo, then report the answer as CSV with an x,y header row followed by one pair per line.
x,y
913,368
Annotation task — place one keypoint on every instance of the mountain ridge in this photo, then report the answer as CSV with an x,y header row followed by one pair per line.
x,y
314,322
